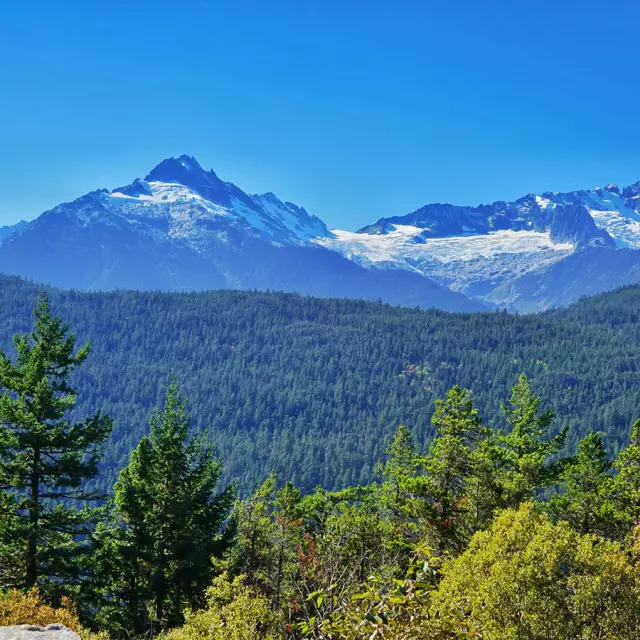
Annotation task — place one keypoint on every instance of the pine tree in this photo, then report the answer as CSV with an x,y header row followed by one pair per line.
x,y
45,459
526,450
588,501
402,464
169,524
253,553
627,482
288,533
450,465
11,543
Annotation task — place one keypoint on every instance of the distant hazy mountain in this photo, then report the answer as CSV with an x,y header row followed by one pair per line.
x,y
9,230
182,228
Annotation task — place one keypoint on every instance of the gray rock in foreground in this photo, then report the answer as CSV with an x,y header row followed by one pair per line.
x,y
33,632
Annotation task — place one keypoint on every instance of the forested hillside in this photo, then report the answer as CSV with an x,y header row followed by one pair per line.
x,y
313,389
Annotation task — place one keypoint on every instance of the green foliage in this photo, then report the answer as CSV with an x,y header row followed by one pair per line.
x,y
157,555
526,450
627,482
440,498
427,552
588,501
11,543
397,494
528,578
451,465
253,553
44,457
234,611
314,389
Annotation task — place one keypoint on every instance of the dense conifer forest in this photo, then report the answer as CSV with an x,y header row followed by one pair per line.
x,y
523,527
312,389
483,533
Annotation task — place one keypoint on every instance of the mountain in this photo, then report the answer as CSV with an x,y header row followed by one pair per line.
x,y
534,253
9,230
183,228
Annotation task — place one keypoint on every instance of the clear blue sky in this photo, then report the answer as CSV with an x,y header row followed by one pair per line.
x,y
352,109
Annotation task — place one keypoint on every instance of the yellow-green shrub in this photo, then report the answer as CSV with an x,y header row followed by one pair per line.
x,y
529,578
18,608
235,611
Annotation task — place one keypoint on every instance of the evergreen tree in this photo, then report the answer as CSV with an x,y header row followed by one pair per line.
x,y
587,503
288,533
253,553
526,450
484,490
45,458
450,464
399,474
444,496
627,482
11,543
169,524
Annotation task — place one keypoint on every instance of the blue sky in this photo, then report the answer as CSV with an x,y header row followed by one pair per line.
x,y
352,109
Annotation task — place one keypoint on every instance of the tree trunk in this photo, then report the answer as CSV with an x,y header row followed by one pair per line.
x,y
34,519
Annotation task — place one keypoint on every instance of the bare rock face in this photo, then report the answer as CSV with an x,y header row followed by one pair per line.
x,y
32,632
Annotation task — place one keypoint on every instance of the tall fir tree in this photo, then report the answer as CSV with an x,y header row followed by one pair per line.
x,y
527,451
451,466
627,482
399,473
587,503
169,524
45,458
436,498
253,553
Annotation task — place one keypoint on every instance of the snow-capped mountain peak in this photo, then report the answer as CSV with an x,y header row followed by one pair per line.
x,y
183,226
296,219
487,250
182,192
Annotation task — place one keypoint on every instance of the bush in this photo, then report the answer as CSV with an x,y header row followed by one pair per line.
x,y
18,608
235,611
528,578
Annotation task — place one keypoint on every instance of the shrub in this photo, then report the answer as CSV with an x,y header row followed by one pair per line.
x,y
18,608
528,578
235,611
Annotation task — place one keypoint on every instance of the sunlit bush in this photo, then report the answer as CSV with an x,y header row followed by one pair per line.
x,y
235,611
18,608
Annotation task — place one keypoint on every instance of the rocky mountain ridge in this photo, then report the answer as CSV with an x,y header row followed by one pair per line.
x,y
181,227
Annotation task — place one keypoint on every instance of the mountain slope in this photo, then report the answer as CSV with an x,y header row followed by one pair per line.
x,y
530,254
9,230
182,228
313,388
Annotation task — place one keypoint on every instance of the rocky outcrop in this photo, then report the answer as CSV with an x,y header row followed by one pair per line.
x,y
33,632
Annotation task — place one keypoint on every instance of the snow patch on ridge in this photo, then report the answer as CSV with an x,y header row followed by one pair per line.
x,y
472,264
299,222
624,230
275,221
611,212
408,242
